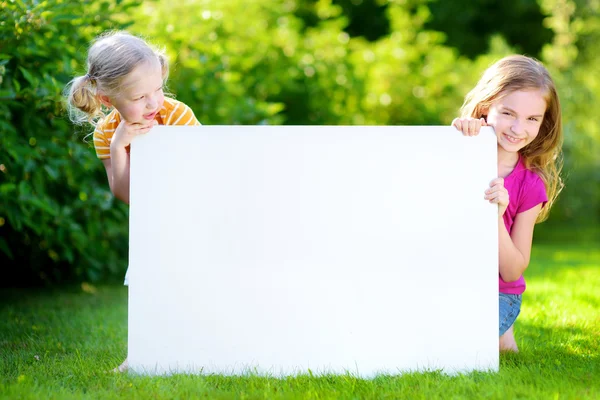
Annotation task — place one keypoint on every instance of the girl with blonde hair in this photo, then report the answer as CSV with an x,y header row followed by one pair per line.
x,y
122,96
517,97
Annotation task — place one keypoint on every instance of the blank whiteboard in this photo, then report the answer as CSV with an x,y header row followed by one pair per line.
x,y
279,250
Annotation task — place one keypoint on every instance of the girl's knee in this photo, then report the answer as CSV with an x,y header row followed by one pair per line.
x,y
509,309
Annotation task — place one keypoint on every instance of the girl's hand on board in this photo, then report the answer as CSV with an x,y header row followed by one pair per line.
x,y
126,131
469,126
497,193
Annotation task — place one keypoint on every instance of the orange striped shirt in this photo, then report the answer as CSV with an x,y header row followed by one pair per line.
x,y
173,112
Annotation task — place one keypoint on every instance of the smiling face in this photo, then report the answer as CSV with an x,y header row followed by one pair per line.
x,y
517,118
141,96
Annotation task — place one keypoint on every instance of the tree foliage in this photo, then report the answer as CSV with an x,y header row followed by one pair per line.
x,y
56,221
259,62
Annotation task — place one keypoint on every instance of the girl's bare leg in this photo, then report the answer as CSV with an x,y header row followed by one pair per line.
x,y
507,341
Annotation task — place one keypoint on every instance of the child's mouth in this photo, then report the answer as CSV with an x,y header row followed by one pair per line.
x,y
150,116
512,139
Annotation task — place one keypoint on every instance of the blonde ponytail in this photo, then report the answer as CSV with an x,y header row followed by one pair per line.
x,y
83,101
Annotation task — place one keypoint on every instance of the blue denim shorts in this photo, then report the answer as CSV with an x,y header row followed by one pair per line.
x,y
510,306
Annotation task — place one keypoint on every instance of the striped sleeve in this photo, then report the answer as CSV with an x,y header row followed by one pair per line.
x,y
181,115
101,144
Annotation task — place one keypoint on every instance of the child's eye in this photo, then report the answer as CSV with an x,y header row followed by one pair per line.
x,y
138,98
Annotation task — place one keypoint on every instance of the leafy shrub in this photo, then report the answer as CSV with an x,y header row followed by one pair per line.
x,y
58,220
243,62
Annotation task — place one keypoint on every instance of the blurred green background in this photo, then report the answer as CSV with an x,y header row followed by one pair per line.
x,y
355,62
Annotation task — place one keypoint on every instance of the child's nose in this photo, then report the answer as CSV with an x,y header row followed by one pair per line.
x,y
151,103
517,127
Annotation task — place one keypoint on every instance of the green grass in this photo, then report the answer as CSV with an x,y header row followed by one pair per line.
x,y
58,344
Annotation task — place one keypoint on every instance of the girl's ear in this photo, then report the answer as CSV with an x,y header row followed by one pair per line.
x,y
105,100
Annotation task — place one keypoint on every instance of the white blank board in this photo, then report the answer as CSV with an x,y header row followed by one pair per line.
x,y
276,250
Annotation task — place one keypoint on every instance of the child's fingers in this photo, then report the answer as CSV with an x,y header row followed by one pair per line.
x,y
140,125
497,181
497,193
138,128
468,126
457,123
492,196
496,189
474,127
145,129
498,198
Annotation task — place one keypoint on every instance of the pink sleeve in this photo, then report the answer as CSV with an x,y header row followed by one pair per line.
x,y
535,194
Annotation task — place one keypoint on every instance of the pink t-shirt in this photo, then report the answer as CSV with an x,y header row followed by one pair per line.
x,y
525,191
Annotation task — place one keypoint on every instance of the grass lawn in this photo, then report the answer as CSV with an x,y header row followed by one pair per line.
x,y
58,344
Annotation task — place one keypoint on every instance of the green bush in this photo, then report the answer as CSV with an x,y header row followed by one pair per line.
x,y
573,59
58,220
263,65
229,58
241,62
